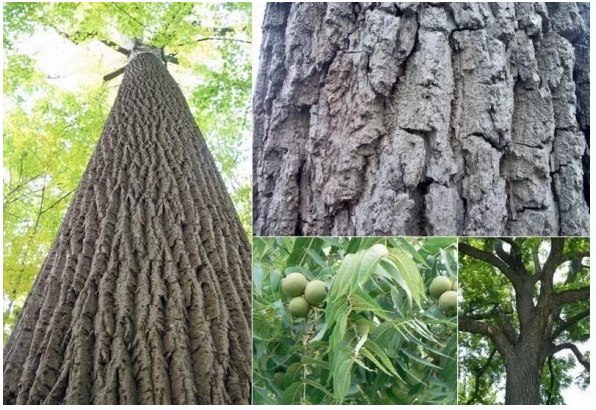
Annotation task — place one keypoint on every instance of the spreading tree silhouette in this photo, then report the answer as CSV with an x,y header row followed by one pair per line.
x,y
145,294
536,312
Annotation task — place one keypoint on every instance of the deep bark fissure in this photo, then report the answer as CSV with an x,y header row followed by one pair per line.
x,y
493,90
144,297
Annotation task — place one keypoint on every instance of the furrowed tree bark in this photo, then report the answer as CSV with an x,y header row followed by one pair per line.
x,y
144,297
522,384
422,119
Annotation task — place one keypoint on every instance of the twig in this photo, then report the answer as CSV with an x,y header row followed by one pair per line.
x,y
215,39
57,201
131,17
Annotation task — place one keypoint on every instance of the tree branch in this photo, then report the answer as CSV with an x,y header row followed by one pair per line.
x,y
552,380
22,184
63,197
215,39
85,35
576,267
555,258
566,325
537,268
508,329
491,314
126,13
570,296
501,253
575,350
114,74
479,372
489,258
465,324
40,212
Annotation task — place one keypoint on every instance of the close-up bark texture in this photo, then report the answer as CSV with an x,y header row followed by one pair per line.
x,y
423,119
145,296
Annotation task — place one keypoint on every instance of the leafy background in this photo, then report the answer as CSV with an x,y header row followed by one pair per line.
x,y
56,102
378,340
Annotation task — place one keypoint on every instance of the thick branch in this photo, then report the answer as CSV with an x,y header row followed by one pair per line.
x,y
576,267
465,324
114,74
497,312
566,325
489,258
491,314
171,58
576,352
501,253
555,258
570,296
508,329
537,268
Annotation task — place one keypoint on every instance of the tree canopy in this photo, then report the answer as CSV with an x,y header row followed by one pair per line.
x,y
498,313
57,100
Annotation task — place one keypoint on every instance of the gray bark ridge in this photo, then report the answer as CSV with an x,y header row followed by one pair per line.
x,y
145,296
422,119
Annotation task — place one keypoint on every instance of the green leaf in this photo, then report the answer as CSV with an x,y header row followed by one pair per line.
x,y
299,255
342,280
419,359
362,302
319,363
293,373
410,274
382,355
342,379
364,351
317,385
370,258
363,331
292,394
388,270
412,251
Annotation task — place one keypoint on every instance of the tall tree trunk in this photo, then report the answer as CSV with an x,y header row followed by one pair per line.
x,y
145,294
522,385
422,119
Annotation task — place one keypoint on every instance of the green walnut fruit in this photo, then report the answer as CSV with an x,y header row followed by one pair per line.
x,y
448,302
279,379
430,260
315,292
439,285
454,287
293,285
365,322
299,307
